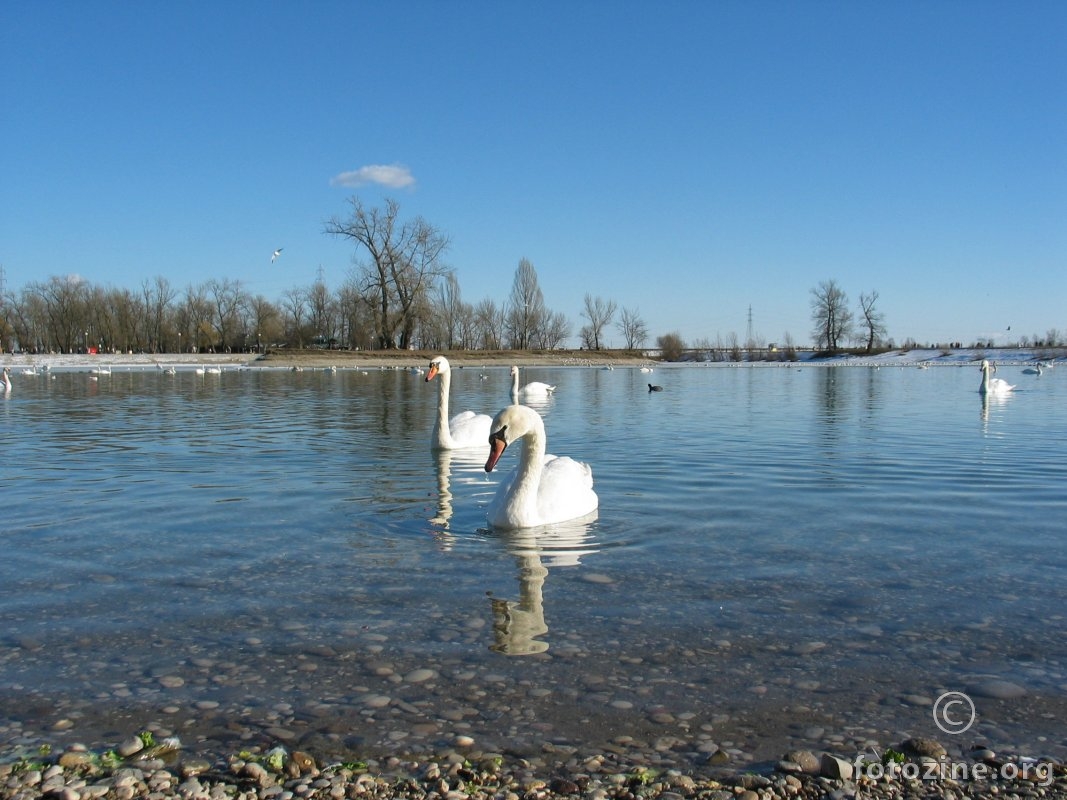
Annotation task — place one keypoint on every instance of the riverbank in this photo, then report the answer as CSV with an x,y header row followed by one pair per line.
x,y
139,766
404,359
321,359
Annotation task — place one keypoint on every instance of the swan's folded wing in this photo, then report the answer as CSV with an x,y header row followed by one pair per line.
x,y
566,489
470,429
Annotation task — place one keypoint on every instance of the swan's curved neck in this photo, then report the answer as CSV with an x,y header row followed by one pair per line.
x,y
444,435
531,465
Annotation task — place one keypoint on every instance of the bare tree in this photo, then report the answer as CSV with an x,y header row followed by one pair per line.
x,y
64,315
599,312
873,320
830,317
158,300
357,327
489,325
552,332
323,313
452,313
525,307
295,306
405,262
194,317
226,298
633,328
264,320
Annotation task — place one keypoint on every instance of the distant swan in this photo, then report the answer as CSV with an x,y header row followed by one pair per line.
x,y
532,389
1033,370
655,388
543,489
5,382
993,386
466,429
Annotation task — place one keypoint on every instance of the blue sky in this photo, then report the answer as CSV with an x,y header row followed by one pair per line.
x,y
689,160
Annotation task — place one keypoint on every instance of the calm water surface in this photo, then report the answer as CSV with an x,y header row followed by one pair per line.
x,y
783,556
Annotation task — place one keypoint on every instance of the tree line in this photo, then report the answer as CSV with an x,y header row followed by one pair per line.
x,y
399,294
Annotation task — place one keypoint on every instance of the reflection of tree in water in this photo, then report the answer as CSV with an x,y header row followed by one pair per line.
x,y
517,624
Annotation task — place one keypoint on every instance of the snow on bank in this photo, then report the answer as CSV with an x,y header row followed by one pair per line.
x,y
134,362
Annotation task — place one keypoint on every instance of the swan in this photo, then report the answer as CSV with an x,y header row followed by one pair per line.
x,y
543,489
1033,370
994,386
5,382
655,387
532,389
466,429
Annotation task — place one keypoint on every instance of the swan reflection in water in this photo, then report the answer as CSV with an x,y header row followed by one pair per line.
x,y
460,467
993,401
519,624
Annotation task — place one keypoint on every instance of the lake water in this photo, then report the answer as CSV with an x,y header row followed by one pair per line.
x,y
784,556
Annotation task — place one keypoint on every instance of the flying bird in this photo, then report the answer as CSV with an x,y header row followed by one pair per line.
x,y
277,253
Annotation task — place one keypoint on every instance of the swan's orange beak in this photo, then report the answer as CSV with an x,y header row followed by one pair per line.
x,y
497,445
431,372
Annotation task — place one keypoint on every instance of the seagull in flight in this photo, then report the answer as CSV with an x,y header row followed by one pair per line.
x,y
277,253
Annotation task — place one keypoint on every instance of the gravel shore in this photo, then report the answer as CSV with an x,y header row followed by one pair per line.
x,y
141,767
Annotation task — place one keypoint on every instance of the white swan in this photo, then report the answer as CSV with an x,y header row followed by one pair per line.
x,y
466,429
532,389
5,382
542,489
993,386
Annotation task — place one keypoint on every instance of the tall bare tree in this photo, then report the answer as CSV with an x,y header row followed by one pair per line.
x,y
405,261
633,329
297,310
525,308
599,312
158,299
264,320
830,317
226,297
489,325
873,321
195,318
553,331
452,312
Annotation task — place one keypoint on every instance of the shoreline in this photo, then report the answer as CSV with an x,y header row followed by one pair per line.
x,y
142,766
489,359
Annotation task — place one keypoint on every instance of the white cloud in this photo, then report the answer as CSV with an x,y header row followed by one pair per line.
x,y
395,176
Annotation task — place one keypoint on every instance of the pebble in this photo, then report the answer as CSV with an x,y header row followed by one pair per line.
x,y
998,690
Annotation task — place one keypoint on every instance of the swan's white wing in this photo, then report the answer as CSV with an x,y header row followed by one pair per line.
x,y
469,429
566,490
537,388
